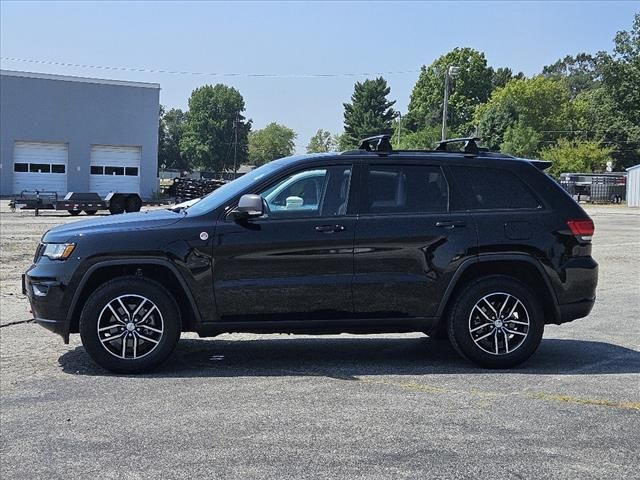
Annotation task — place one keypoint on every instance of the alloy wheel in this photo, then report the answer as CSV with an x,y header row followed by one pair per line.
x,y
130,326
499,323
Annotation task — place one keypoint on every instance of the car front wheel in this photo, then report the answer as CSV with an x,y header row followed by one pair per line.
x,y
496,322
130,325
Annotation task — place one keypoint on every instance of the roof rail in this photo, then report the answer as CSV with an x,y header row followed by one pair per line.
x,y
378,143
470,144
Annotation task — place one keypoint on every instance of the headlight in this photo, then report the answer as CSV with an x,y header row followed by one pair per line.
x,y
58,251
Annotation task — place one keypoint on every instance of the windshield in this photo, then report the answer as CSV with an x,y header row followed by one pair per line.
x,y
229,190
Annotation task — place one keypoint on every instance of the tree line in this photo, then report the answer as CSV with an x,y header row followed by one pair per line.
x,y
580,113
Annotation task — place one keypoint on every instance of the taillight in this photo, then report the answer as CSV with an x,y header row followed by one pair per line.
x,y
582,229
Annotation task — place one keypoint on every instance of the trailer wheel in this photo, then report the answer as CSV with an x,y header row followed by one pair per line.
x,y
74,212
90,212
116,205
133,203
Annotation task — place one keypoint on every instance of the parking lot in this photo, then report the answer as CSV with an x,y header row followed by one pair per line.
x,y
344,406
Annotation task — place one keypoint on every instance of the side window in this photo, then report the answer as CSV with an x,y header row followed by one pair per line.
x,y
406,189
493,189
309,193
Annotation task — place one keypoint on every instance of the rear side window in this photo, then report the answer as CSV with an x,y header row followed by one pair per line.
x,y
493,189
405,189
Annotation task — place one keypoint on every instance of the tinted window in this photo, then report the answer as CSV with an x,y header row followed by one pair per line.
x,y
97,170
405,189
57,169
132,171
493,189
20,167
40,167
114,170
309,193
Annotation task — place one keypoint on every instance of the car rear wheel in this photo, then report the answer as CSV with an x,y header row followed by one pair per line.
x,y
74,212
496,322
130,325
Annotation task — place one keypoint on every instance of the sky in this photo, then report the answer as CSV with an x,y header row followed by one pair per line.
x,y
292,40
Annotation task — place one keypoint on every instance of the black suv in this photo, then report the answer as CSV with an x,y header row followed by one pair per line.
x,y
476,246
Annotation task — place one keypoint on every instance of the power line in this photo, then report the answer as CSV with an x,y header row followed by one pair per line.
x,y
207,74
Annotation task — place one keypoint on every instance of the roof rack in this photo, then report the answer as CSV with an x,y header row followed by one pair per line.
x,y
470,144
378,143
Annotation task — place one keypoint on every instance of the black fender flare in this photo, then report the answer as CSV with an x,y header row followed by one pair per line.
x,y
140,261
498,257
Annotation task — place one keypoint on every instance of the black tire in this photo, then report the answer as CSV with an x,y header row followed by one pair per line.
x,y
117,205
465,316
74,212
133,203
90,212
151,351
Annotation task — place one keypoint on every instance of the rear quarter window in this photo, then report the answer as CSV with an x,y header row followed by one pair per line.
x,y
493,189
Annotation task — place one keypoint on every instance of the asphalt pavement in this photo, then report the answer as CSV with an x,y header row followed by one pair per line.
x,y
343,406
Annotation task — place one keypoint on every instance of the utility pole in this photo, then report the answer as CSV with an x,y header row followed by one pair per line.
x,y
450,73
399,130
235,146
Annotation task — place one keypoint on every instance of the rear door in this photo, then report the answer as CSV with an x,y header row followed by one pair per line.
x,y
408,242
295,262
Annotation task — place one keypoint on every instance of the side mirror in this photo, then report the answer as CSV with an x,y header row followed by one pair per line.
x,y
249,206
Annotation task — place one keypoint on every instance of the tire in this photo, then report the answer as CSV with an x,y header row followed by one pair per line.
x,y
474,307
90,212
117,205
147,342
74,212
133,204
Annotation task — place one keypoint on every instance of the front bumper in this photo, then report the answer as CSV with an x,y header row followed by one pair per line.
x,y
47,299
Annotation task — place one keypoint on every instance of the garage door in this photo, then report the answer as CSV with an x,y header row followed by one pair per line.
x,y
40,166
114,169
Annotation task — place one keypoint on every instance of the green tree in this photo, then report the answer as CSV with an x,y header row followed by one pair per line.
x,y
580,73
538,103
423,139
521,141
321,142
172,125
573,156
209,135
503,75
621,72
471,87
599,119
272,142
369,113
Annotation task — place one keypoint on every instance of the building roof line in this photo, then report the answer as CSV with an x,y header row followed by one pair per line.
x,y
71,78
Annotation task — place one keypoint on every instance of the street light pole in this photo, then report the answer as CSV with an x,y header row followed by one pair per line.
x,y
451,72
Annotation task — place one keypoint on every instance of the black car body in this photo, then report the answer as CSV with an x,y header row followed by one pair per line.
x,y
372,252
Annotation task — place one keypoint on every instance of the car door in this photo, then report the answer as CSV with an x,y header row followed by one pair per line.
x,y
296,261
408,242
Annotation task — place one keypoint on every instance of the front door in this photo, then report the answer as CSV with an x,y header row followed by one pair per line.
x,y
408,242
296,261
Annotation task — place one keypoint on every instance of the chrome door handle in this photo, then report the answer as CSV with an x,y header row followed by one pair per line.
x,y
450,224
329,228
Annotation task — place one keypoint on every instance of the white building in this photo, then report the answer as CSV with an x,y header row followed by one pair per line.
x,y
633,186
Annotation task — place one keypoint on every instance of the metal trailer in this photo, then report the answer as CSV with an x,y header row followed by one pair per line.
x,y
76,202
607,187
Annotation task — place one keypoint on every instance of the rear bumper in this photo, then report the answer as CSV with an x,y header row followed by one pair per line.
x,y
573,311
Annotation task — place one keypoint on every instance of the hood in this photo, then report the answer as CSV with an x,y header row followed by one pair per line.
x,y
113,223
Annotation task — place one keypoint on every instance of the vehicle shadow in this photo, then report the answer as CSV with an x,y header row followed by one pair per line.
x,y
351,357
